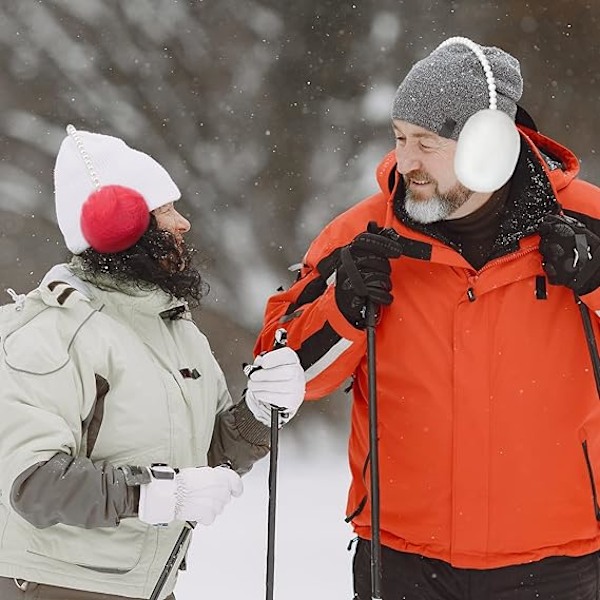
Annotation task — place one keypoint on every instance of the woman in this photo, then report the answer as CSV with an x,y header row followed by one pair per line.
x,y
117,424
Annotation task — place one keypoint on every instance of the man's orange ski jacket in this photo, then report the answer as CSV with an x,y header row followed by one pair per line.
x,y
489,415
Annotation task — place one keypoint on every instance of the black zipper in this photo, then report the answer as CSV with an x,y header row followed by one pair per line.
x,y
592,482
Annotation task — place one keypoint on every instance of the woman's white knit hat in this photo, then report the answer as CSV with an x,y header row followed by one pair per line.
x,y
104,191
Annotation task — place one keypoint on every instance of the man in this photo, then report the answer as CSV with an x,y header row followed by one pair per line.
x,y
488,411
117,429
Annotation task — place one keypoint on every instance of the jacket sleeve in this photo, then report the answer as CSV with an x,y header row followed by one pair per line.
x,y
329,347
73,491
238,439
42,473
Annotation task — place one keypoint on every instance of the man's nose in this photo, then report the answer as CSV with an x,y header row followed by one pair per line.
x,y
407,161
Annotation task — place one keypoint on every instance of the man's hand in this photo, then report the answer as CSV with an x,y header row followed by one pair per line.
x,y
364,273
571,253
276,378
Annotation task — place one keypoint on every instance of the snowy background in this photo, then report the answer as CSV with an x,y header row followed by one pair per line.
x,y
228,559
271,117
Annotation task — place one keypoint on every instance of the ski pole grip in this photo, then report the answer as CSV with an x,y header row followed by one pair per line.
x,y
280,342
371,314
280,338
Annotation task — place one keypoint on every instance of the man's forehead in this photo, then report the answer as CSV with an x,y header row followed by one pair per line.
x,y
414,130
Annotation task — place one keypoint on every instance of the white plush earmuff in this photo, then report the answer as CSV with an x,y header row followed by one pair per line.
x,y
488,145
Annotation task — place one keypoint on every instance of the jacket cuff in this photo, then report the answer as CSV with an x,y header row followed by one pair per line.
x,y
135,476
339,322
252,430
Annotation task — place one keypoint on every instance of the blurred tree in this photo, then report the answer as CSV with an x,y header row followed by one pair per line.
x,y
270,116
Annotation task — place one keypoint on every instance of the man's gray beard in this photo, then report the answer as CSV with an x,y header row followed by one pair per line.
x,y
437,208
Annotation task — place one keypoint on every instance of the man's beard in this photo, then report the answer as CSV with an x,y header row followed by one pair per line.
x,y
438,207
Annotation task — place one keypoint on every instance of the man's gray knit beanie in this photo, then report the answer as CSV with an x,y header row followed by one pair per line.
x,y
445,88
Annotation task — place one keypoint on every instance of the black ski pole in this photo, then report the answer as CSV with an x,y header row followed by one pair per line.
x,y
590,339
374,454
280,341
168,568
272,503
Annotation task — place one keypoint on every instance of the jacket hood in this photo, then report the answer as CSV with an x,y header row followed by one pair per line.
x,y
102,289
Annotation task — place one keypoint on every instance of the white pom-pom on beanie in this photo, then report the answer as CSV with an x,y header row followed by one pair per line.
x,y
93,167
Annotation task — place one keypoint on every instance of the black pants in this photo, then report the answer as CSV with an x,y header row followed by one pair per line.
x,y
413,577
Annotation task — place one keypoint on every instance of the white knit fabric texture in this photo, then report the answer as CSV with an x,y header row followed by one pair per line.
x,y
113,162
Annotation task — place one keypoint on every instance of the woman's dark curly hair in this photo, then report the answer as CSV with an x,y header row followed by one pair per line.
x,y
158,258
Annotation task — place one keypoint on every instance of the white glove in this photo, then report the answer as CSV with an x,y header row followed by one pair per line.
x,y
276,379
195,494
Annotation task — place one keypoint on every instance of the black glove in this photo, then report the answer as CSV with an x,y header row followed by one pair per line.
x,y
364,273
571,253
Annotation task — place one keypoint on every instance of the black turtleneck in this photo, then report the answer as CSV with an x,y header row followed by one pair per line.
x,y
511,213
474,235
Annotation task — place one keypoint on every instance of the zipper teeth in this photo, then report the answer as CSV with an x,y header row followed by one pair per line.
x,y
507,258
592,481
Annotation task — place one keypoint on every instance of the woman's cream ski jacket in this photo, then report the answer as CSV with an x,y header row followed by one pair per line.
x,y
93,383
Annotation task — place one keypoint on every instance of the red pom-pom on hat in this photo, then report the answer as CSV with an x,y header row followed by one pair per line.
x,y
114,218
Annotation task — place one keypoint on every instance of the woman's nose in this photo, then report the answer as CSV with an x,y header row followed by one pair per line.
x,y
182,224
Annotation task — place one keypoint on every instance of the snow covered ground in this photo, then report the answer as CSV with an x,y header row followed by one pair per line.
x,y
228,559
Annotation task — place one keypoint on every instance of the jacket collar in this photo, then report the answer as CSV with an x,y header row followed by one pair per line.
x,y
532,195
103,290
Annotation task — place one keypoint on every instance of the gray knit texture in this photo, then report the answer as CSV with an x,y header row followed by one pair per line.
x,y
445,88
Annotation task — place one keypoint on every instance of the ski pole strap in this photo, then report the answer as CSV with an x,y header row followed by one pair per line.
x,y
280,342
581,251
410,248
280,338
356,281
249,369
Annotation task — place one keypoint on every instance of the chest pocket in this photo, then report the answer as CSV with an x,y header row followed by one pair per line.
x,y
40,343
